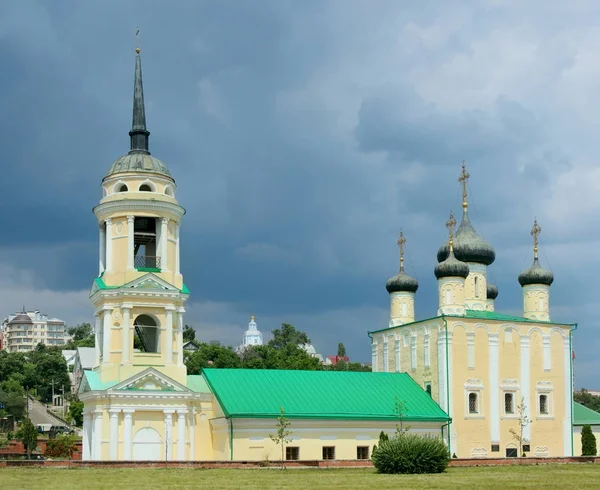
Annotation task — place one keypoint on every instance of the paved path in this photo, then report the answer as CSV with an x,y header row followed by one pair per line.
x,y
39,415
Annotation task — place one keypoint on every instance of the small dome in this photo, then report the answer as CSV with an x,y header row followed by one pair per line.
x,y
21,318
536,274
402,282
137,161
451,267
468,245
308,348
492,291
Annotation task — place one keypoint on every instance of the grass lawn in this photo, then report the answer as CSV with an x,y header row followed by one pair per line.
x,y
546,476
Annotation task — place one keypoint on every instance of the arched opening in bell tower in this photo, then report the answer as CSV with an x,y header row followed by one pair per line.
x,y
147,334
144,244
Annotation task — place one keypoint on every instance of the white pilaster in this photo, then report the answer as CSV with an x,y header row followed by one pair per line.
x,y
87,436
525,383
109,245
180,312
177,267
426,346
169,334
164,243
114,434
441,353
374,357
451,382
126,335
169,434
127,433
102,250
494,389
97,436
385,356
413,352
567,422
97,339
547,352
106,334
192,435
130,241
397,355
181,434
470,350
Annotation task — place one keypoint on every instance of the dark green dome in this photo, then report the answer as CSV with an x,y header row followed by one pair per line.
x,y
136,161
402,282
536,274
492,291
468,245
451,267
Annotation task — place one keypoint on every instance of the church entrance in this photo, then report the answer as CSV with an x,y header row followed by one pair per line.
x,y
147,445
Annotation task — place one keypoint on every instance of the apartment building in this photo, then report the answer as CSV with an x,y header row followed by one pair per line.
x,y
25,330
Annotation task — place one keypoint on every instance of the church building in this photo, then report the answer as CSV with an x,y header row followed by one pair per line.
x,y
486,369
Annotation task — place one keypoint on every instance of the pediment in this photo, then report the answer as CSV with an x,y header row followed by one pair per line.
x,y
150,380
151,282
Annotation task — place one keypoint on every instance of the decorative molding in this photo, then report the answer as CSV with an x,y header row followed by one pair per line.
x,y
133,205
479,452
474,384
541,452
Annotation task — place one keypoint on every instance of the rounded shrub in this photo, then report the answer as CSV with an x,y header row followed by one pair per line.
x,y
411,454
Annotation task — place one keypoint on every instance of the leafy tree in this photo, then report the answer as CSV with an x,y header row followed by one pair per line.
x,y
14,404
400,411
341,352
189,333
76,412
287,335
342,365
588,400
383,437
588,441
81,336
282,436
523,422
28,435
213,356
12,385
50,367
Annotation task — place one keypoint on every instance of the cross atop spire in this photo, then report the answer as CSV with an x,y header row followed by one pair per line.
x,y
464,179
401,242
450,224
138,134
535,233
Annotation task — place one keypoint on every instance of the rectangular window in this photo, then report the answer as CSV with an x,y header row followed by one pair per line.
x,y
292,453
526,448
544,404
512,452
509,403
328,452
473,403
428,387
362,452
495,448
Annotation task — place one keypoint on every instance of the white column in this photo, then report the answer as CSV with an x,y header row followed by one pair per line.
x,y
470,350
169,334
168,434
385,356
164,244
87,436
443,382
568,383
525,382
114,434
127,433
427,349
106,334
97,339
130,241
397,355
546,344
192,435
413,352
102,249
126,338
494,389
109,245
374,357
177,267
180,313
97,436
181,434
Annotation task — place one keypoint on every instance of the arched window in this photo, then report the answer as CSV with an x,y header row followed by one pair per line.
x,y
145,188
476,287
473,403
169,191
404,309
147,334
448,296
123,188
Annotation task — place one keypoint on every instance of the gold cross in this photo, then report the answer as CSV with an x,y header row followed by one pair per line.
x,y
450,225
137,40
535,233
401,242
463,179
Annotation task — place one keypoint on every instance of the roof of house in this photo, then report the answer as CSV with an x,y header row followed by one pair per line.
x,y
87,357
583,415
94,382
260,393
197,384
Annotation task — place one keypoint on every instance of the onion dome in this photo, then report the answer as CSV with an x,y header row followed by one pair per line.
x,y
451,266
536,274
492,291
402,282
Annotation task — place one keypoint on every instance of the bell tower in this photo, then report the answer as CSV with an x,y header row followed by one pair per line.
x,y
139,293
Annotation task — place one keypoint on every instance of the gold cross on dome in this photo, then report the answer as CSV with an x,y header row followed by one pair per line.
x,y
401,242
535,233
450,224
137,40
464,179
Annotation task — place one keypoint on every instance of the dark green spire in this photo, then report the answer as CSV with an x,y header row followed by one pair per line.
x,y
139,134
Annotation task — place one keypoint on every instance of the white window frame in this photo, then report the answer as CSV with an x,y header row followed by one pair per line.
x,y
514,407
474,386
544,388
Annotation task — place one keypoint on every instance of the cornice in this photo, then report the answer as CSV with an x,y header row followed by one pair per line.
x,y
129,206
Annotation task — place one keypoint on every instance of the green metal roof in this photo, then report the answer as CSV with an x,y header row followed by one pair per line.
x,y
583,415
102,285
259,393
197,384
94,381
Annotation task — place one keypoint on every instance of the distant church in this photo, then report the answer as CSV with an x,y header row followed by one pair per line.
x,y
478,364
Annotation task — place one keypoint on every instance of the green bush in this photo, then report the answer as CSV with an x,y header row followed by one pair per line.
x,y
411,454
588,441
61,447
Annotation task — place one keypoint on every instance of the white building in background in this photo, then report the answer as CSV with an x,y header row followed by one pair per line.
x,y
25,330
252,336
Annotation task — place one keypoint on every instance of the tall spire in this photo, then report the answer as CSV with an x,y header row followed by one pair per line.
x,y
401,243
464,179
138,134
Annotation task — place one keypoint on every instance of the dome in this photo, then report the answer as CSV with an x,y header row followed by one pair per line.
x,y
402,282
21,318
309,349
536,274
451,267
492,291
468,245
137,161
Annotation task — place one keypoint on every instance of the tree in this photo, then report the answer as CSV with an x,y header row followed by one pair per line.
x,y
341,352
400,411
287,335
523,422
51,367
588,441
281,437
76,412
588,400
81,336
189,333
28,435
211,356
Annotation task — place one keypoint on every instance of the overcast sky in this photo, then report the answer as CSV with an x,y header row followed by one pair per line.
x,y
303,135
